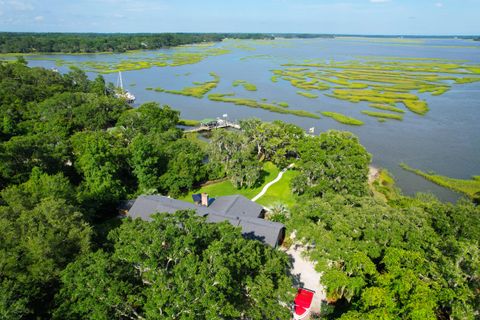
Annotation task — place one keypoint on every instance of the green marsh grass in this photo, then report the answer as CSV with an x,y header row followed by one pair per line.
x,y
417,106
245,84
228,98
307,94
138,60
342,118
189,122
383,115
198,91
386,107
381,81
471,187
467,80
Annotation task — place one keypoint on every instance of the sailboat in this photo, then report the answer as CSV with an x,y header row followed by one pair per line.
x,y
121,92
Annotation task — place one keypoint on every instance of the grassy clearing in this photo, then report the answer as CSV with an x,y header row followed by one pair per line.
x,y
342,118
307,95
471,188
197,91
246,85
225,188
228,98
383,115
280,192
386,107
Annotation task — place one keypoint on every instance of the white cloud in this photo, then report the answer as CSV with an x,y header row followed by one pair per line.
x,y
439,4
39,19
379,1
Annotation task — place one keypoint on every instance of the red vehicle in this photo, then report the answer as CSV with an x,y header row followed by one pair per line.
x,y
303,303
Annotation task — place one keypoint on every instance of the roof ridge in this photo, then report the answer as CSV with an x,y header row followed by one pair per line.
x,y
233,202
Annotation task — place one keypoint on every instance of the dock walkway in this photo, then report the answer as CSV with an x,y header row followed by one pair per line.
x,y
223,124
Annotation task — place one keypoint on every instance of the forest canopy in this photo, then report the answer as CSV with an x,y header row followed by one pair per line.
x,y
71,152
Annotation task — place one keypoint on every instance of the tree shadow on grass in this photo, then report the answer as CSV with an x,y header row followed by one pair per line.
x,y
261,180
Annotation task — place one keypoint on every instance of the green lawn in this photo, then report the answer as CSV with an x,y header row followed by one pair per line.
x,y
225,188
280,192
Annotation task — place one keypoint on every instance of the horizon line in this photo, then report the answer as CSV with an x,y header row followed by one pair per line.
x,y
246,32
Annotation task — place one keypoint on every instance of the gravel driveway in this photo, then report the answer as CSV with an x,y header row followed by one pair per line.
x,y
306,276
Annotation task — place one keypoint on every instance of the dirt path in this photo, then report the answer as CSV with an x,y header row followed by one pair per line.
x,y
307,277
268,185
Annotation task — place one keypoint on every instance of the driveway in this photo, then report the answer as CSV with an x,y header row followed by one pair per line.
x,y
306,276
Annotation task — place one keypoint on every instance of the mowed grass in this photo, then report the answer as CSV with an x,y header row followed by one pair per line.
x,y
342,118
280,192
226,188
471,187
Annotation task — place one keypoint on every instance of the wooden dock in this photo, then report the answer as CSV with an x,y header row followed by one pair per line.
x,y
219,125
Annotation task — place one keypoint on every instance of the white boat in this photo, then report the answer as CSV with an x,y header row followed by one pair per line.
x,y
121,92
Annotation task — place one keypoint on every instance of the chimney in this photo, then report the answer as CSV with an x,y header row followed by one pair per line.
x,y
205,199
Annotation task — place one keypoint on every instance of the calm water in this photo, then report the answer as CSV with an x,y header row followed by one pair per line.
x,y
446,140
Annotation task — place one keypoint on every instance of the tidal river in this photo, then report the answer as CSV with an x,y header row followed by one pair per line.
x,y
445,140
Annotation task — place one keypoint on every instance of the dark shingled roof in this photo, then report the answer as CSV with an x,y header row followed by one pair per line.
x,y
236,213
145,206
237,206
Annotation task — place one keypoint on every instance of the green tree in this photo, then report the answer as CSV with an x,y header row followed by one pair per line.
x,y
99,158
233,152
334,161
39,186
276,141
393,261
149,118
35,245
185,167
148,161
178,267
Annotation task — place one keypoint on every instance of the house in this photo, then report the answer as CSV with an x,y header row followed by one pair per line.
x,y
237,210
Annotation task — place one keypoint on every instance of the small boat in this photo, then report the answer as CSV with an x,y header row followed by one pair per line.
x,y
121,92
303,303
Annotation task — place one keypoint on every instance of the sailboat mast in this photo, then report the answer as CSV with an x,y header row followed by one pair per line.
x,y
120,79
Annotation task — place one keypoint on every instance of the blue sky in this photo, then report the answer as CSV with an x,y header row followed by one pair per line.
x,y
426,17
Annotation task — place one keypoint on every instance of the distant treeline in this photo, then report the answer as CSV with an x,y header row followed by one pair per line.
x,y
303,35
95,42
